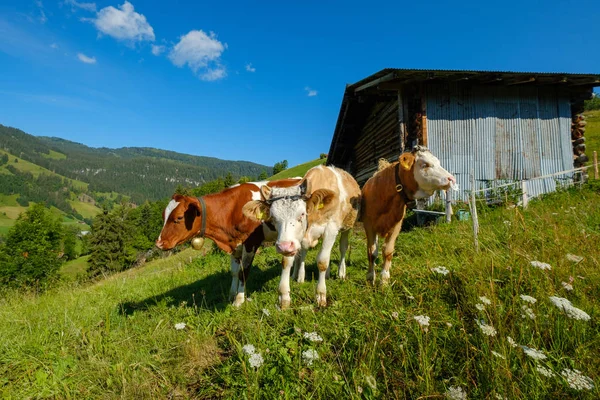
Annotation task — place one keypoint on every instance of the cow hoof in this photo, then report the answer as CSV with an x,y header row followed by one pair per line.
x,y
342,276
371,278
284,303
300,279
238,300
321,299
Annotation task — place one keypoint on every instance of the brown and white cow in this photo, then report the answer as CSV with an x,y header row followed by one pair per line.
x,y
323,204
224,223
416,175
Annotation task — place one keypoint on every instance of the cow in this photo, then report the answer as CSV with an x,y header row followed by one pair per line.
x,y
219,217
324,203
416,175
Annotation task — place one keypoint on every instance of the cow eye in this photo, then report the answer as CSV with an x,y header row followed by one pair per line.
x,y
301,217
179,219
426,165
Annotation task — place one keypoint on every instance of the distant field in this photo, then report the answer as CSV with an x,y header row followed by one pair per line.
x,y
592,133
298,170
72,269
87,210
36,170
55,155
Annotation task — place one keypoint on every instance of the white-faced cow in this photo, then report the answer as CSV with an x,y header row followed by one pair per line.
x,y
219,217
416,175
323,204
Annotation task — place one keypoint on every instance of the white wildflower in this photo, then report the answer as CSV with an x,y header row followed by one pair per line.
x,y
448,324
180,326
423,320
310,355
533,353
480,306
498,355
441,270
506,222
313,336
500,397
488,330
567,286
266,312
485,300
511,341
567,307
371,382
359,389
528,299
541,265
395,314
576,380
249,349
528,312
256,360
456,393
574,258
545,371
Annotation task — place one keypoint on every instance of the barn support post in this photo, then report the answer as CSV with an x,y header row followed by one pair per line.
x,y
525,196
473,207
596,176
448,206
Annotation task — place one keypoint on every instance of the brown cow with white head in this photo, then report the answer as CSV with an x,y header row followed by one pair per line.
x,y
219,217
416,175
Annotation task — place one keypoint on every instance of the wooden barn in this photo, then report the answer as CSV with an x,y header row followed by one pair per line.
x,y
504,126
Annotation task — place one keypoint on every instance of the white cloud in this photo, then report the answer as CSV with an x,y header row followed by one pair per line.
x,y
42,16
310,92
250,68
124,23
85,59
202,53
84,6
157,49
54,46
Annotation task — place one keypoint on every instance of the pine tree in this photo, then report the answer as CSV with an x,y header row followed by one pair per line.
x,y
32,254
229,180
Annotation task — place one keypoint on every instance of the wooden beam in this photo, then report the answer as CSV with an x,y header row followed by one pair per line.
x,y
528,80
376,82
424,116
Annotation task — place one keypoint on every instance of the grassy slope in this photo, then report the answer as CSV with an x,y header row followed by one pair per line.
x,y
87,210
298,170
71,270
592,133
116,338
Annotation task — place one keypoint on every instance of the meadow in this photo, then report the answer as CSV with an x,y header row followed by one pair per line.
x,y
453,323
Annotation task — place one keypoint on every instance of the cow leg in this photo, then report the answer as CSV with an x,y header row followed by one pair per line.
x,y
299,271
243,272
235,273
388,252
323,263
371,254
343,248
284,284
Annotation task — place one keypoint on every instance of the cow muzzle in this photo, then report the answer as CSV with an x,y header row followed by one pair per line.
x,y
286,248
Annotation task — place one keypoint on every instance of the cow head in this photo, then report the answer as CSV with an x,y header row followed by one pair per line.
x,y
181,221
426,172
288,209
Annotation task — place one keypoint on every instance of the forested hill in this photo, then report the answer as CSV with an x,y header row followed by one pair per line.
x,y
139,172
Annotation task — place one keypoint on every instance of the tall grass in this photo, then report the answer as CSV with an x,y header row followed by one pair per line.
x,y
117,338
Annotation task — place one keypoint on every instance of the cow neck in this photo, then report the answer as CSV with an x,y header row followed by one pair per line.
x,y
203,207
401,187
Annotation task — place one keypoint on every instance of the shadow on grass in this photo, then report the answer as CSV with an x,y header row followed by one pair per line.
x,y
211,292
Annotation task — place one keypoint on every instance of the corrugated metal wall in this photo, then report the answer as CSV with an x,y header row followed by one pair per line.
x,y
502,133
378,138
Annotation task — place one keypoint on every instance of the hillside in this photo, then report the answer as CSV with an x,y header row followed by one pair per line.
x,y
592,133
491,328
298,170
140,173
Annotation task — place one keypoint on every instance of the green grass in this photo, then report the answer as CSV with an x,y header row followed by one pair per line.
x,y
87,210
117,339
55,155
592,133
74,269
298,170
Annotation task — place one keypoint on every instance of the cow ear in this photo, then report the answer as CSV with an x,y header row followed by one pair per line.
x,y
406,161
265,192
303,187
319,200
257,210
177,197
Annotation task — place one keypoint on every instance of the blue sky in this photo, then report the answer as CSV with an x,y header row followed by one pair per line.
x,y
253,80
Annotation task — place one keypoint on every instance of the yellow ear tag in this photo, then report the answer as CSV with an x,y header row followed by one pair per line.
x,y
321,205
260,215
